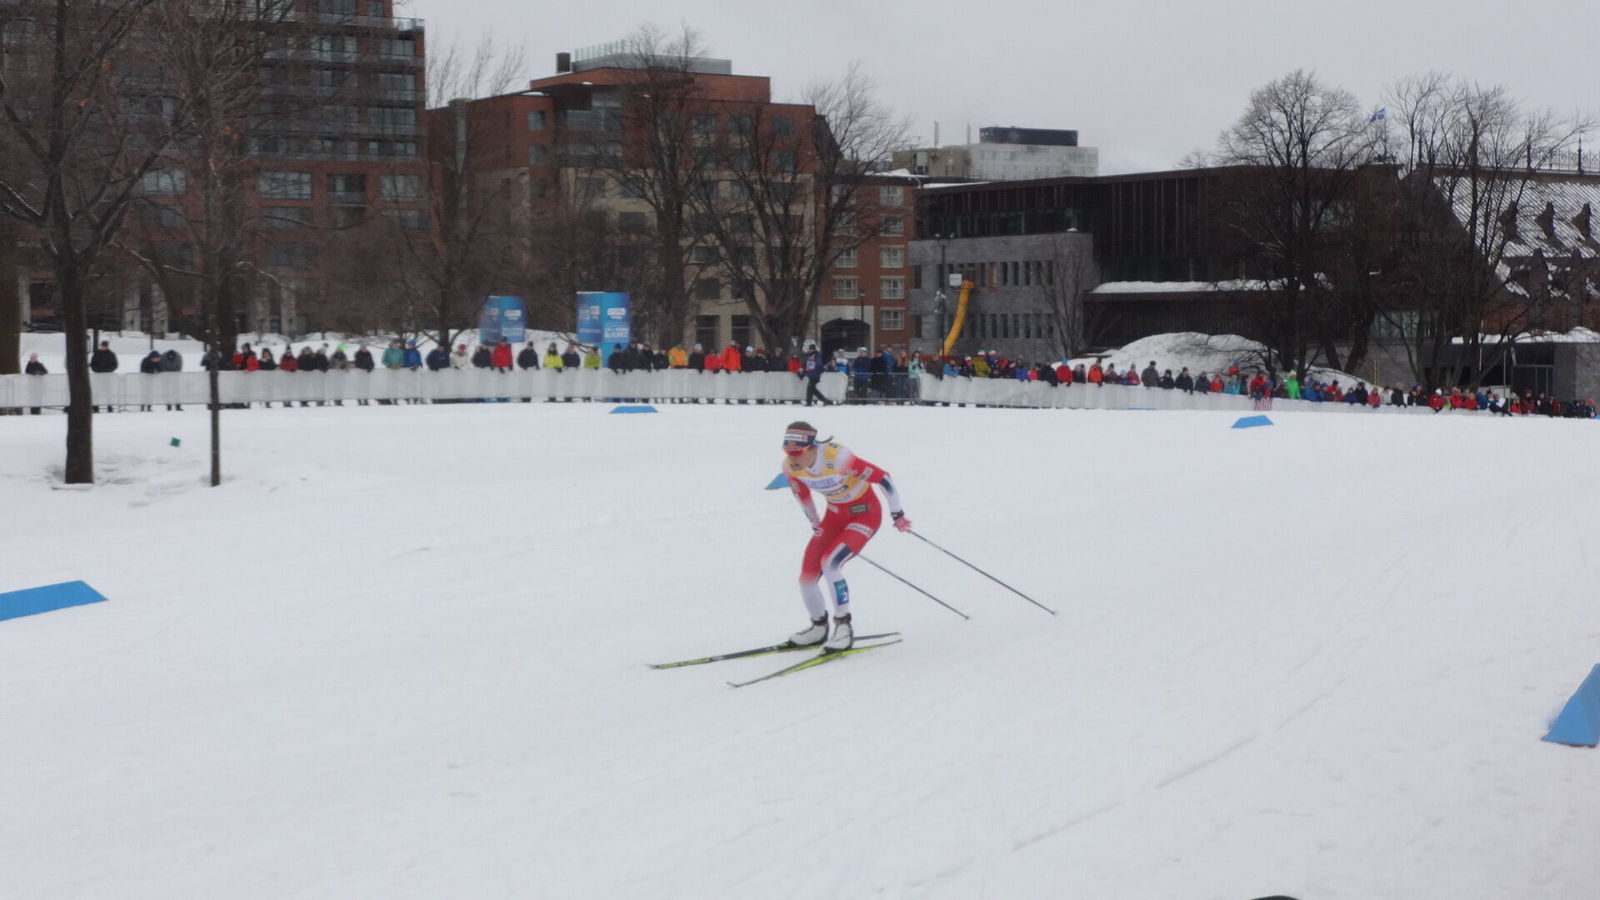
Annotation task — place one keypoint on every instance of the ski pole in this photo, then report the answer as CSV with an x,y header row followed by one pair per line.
x,y
982,572
913,587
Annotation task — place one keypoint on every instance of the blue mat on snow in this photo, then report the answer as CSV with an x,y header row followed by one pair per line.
x,y
32,601
632,409
1252,421
1579,722
782,481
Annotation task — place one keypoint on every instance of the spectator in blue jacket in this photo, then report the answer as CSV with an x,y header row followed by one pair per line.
x,y
413,356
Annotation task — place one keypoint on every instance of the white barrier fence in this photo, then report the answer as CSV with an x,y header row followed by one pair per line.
x,y
182,388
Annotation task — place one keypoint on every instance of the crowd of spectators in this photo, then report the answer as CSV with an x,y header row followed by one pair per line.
x,y
889,374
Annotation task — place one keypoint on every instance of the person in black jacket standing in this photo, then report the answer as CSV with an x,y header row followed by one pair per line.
x,y
35,367
529,357
103,361
811,371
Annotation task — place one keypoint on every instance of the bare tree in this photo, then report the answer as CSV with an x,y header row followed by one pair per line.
x,y
797,198
468,235
1302,145
1074,326
1474,172
72,158
651,137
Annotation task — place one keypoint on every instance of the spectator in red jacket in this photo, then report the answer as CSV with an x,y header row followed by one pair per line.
x,y
1097,375
732,359
1436,401
1258,385
501,356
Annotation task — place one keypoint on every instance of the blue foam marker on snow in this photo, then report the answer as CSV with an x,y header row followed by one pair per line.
x,y
1252,421
1579,722
175,442
633,409
32,601
782,481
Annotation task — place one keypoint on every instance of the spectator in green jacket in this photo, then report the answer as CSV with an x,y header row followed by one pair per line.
x,y
394,357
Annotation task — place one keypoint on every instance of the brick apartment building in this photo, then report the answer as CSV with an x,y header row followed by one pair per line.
x,y
339,136
546,152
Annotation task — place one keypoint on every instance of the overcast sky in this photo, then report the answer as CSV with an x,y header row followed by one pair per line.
x,y
1144,81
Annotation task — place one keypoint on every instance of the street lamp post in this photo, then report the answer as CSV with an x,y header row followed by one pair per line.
x,y
939,296
861,313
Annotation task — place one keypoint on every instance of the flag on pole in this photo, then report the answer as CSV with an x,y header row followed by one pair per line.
x,y
1380,115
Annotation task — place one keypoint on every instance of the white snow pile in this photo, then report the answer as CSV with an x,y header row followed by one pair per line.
x,y
401,653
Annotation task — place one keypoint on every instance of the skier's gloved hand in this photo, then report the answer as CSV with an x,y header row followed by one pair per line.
x,y
816,529
901,523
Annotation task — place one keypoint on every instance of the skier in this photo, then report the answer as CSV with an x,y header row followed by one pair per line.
x,y
845,481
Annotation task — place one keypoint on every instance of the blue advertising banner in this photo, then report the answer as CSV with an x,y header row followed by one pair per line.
x,y
604,319
502,318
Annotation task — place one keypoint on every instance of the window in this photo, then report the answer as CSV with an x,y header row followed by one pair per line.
x,y
892,257
336,7
848,259
706,191
707,289
892,288
535,120
400,48
891,319
396,119
402,188
916,326
589,188
892,226
335,47
741,124
291,256
409,219
740,160
783,161
396,82
326,78
845,289
891,196
741,330
633,222
347,189
538,154
703,256
705,157
286,216
782,126
738,192
742,224
286,185
708,332
164,183
705,124
346,216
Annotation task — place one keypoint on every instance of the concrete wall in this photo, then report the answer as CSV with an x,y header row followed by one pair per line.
x,y
1071,254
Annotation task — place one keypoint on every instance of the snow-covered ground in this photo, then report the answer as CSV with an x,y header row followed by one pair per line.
x,y
400,653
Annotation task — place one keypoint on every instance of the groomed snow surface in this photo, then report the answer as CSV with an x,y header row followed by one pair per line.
x,y
401,653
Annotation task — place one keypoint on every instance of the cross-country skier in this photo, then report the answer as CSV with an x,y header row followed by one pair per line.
x,y
845,481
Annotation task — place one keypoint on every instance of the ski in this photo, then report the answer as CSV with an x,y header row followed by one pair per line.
x,y
825,657
784,647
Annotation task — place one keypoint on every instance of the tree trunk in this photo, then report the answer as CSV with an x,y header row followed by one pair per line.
x,y
10,304
80,403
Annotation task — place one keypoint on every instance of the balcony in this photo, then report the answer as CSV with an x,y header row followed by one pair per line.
x,y
380,23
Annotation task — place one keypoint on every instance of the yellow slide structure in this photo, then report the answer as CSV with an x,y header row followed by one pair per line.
x,y
961,317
